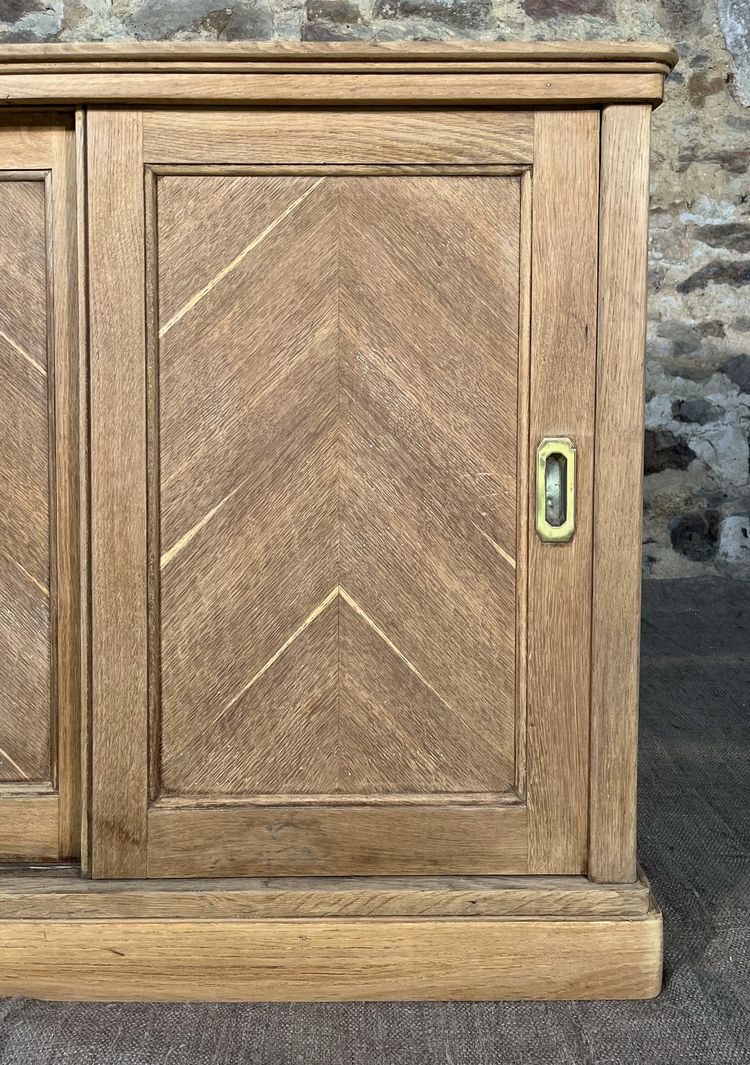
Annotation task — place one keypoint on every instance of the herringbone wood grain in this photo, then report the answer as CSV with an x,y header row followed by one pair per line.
x,y
25,733
337,447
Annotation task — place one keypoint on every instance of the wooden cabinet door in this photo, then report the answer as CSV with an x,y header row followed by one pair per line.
x,y
324,347
39,659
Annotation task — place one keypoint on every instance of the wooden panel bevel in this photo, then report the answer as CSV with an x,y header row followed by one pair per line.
x,y
522,466
308,840
84,489
118,493
563,350
341,169
152,479
380,798
623,239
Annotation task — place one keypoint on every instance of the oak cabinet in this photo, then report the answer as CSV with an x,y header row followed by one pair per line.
x,y
320,557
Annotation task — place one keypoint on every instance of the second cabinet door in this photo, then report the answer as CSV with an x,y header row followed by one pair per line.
x,y
325,639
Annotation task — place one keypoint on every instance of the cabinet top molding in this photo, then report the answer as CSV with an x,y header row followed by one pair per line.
x,y
388,73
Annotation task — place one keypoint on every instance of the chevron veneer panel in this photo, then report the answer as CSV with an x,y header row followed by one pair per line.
x,y
337,410
25,732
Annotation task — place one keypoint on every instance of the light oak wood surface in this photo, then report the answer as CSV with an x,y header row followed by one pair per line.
x,y
314,668
63,328
368,518
331,89
26,741
335,840
282,330
331,73
227,719
335,959
339,136
619,473
118,488
63,896
279,53
39,608
563,354
29,824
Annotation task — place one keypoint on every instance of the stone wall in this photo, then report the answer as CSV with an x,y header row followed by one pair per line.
x,y
697,486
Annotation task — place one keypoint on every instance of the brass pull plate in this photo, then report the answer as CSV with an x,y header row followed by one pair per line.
x,y
555,489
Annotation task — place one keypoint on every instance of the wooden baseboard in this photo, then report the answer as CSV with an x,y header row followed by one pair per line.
x,y
297,959
308,938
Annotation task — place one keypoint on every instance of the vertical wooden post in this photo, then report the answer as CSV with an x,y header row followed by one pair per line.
x,y
64,343
562,384
623,234
119,717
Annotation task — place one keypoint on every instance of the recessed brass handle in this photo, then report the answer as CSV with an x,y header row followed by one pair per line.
x,y
555,489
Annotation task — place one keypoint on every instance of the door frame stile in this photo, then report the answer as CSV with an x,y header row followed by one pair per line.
x,y
116,247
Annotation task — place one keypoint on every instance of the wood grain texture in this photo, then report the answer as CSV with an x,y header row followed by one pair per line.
x,y
26,705
563,352
64,343
345,89
334,959
39,624
118,493
338,524
29,828
428,474
183,54
522,487
84,489
26,140
320,840
398,136
53,897
248,500
623,237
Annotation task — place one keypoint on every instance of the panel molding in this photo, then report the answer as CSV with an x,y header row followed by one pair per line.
x,y
340,169
154,172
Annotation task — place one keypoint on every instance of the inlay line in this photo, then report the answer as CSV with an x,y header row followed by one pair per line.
x,y
24,354
503,554
27,575
16,766
175,549
236,261
333,594
409,665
